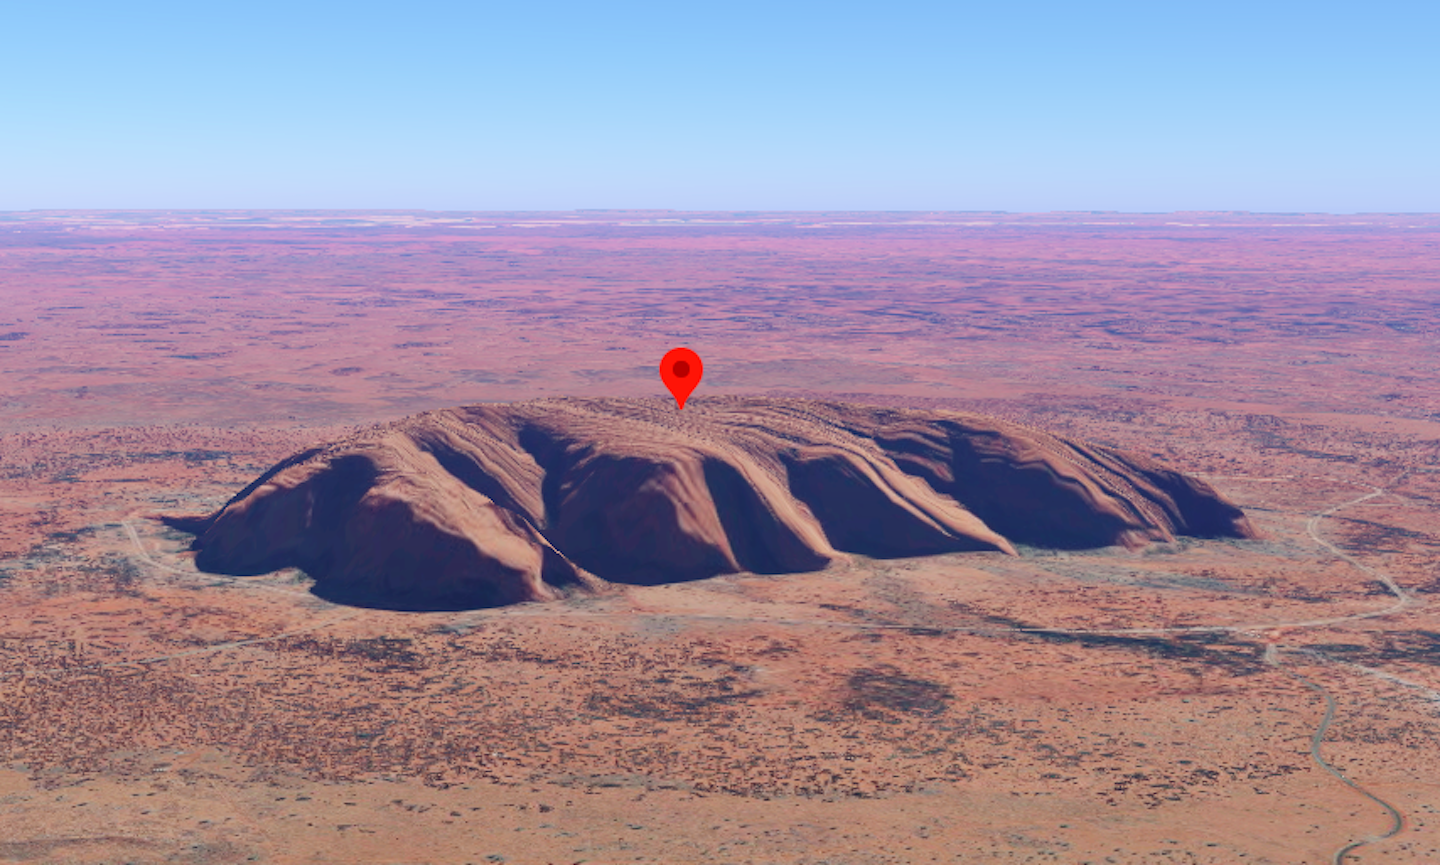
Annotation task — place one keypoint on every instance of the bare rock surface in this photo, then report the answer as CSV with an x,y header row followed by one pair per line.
x,y
494,504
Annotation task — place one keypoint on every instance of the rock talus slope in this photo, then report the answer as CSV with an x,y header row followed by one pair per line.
x,y
494,504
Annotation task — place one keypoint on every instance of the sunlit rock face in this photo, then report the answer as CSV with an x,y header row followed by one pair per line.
x,y
497,504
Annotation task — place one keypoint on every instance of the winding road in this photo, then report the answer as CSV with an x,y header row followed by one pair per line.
x,y
1397,820
1273,652
1403,600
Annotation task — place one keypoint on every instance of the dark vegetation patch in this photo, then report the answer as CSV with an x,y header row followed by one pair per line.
x,y
390,654
1269,432
505,651
124,573
878,692
775,649
1218,649
38,850
1374,588
986,617
1415,647
1372,537
674,696
71,537
68,468
387,650
203,455
193,455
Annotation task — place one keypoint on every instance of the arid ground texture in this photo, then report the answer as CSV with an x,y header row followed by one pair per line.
x,y
1267,699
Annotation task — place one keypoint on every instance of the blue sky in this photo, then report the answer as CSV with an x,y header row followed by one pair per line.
x,y
687,104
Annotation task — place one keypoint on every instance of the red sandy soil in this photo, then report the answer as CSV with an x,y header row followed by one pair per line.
x,y
956,708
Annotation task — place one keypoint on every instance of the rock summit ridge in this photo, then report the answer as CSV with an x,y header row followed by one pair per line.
x,y
493,504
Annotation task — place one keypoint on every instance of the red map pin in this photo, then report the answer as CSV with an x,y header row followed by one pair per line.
x,y
680,369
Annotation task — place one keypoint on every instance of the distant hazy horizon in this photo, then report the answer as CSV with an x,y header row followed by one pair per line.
x,y
658,213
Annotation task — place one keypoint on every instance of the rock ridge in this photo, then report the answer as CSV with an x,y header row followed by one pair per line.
x,y
494,504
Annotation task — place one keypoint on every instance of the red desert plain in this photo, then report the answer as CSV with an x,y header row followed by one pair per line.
x,y
1053,538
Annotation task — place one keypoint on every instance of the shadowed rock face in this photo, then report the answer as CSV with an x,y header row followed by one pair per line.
x,y
497,504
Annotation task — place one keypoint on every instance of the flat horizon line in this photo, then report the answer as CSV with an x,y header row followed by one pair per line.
x,y
644,210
